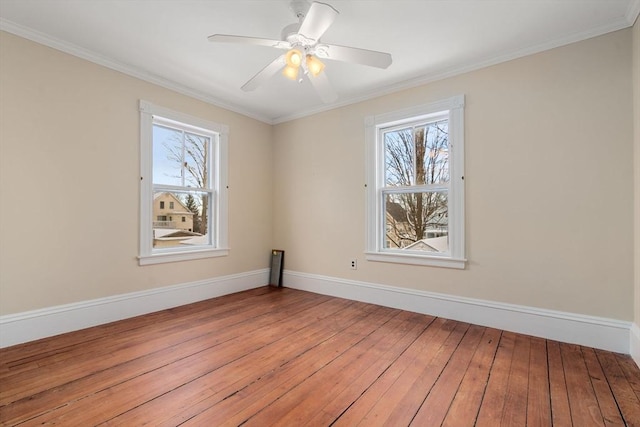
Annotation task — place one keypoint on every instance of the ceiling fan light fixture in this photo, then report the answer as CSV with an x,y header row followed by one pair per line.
x,y
301,43
291,72
314,65
293,58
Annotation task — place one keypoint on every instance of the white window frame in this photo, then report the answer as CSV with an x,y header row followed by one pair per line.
x,y
375,212
219,189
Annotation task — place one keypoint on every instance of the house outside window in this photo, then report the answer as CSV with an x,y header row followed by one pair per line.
x,y
415,185
183,166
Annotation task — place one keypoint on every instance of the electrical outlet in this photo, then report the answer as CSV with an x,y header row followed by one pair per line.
x,y
354,264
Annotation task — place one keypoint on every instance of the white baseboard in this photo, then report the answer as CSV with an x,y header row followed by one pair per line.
x,y
597,332
634,343
28,326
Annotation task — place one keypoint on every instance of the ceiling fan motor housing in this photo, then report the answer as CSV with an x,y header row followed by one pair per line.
x,y
290,31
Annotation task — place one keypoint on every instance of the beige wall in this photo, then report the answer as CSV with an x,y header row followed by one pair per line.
x,y
69,140
636,157
549,188
549,184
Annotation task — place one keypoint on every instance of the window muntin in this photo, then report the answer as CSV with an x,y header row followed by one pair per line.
x,y
184,163
415,185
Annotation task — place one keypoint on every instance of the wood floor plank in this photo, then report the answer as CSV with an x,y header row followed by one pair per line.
x,y
235,376
466,404
383,345
312,395
416,355
273,383
631,372
582,400
539,400
176,346
423,373
495,394
626,399
273,356
114,349
560,410
438,401
35,352
604,396
515,403
114,400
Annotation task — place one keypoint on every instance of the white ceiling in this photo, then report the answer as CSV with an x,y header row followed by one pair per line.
x,y
165,41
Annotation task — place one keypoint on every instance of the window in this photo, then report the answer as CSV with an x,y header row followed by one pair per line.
x,y
415,185
183,164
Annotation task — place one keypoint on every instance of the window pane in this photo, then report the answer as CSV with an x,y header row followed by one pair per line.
x,y
196,159
167,156
193,209
432,144
417,221
398,158
418,155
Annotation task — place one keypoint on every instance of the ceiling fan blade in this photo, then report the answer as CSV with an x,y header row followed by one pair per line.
x,y
317,20
323,87
265,74
371,58
257,41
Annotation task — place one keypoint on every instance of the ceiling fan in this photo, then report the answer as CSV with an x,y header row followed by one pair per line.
x,y
301,40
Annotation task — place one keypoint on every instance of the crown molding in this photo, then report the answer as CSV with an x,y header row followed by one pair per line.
x,y
71,49
621,23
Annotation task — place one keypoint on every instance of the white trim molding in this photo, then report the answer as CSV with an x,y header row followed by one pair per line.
x,y
215,186
634,343
32,325
597,332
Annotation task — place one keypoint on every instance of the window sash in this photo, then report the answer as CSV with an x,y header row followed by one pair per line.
x,y
211,149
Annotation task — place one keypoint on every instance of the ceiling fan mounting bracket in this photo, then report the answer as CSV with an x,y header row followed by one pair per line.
x,y
299,8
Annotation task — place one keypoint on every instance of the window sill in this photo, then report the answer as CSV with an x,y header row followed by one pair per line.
x,y
431,261
161,258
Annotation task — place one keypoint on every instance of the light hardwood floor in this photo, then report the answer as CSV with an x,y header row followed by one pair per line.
x,y
286,357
